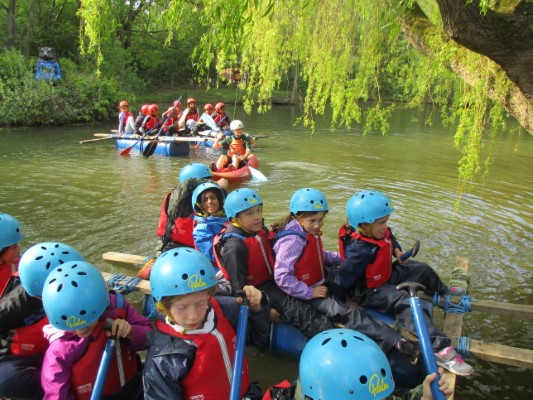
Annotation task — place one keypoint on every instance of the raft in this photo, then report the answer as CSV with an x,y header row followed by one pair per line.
x,y
239,175
166,146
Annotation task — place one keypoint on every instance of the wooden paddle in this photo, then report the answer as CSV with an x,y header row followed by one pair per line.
x,y
98,139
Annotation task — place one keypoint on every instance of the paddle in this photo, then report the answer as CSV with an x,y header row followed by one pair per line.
x,y
150,148
103,368
216,126
236,378
423,335
411,252
98,139
127,150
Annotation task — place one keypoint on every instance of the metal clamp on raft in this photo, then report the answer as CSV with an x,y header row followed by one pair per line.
x,y
122,283
459,308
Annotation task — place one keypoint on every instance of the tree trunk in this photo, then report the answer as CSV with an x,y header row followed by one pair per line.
x,y
10,43
295,83
505,38
29,32
518,102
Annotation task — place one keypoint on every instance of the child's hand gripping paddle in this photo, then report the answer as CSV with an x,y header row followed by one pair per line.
x,y
235,393
101,376
423,335
411,252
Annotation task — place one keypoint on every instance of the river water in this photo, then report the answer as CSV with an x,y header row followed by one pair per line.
x,y
92,198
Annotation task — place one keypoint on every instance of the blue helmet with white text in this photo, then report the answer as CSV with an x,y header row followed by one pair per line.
x,y
344,364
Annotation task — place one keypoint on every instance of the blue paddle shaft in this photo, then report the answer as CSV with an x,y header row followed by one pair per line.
x,y
235,393
103,368
425,346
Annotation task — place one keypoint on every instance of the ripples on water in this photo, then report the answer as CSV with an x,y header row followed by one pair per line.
x,y
96,200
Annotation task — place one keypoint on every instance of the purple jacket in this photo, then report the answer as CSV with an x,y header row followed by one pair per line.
x,y
66,348
288,250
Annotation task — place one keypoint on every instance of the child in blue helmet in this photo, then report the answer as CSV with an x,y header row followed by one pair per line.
x,y
369,274
175,223
302,265
83,315
22,319
344,364
192,348
243,252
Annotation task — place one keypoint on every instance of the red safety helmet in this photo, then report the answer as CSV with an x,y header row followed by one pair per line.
x,y
190,100
152,108
177,103
144,109
123,103
208,106
171,110
219,106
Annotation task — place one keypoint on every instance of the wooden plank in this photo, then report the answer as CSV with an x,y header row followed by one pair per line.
x,y
123,258
500,353
453,323
143,286
493,307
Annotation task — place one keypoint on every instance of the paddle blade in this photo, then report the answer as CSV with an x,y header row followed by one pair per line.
x,y
126,152
209,121
150,148
257,176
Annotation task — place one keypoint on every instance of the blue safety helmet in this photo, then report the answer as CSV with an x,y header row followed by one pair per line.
x,y
240,200
194,170
9,231
74,295
196,195
367,206
307,199
343,364
181,271
39,260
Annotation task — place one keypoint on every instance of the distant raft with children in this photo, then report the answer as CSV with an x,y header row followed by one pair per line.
x,y
166,146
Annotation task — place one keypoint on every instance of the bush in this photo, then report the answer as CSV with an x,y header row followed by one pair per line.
x,y
77,98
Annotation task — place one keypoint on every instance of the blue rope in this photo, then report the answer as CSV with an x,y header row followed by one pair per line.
x,y
129,285
463,346
459,308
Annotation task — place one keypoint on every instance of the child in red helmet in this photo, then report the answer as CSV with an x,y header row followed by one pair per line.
x,y
190,113
151,121
222,119
140,118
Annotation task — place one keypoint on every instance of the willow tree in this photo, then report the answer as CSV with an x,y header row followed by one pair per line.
x,y
471,58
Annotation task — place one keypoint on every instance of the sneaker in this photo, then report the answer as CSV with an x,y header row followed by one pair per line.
x,y
448,359
213,167
455,291
411,350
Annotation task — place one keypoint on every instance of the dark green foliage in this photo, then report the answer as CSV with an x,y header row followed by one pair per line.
x,y
77,98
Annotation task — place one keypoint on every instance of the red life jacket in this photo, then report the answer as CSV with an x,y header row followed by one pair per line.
x,y
150,122
28,340
84,371
6,273
310,266
210,375
182,230
379,272
260,260
192,114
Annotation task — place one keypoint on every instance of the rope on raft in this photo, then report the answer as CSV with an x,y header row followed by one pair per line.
x,y
127,286
462,307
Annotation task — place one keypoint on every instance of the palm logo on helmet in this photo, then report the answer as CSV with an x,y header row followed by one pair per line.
x,y
240,200
308,200
181,271
39,260
74,295
344,364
